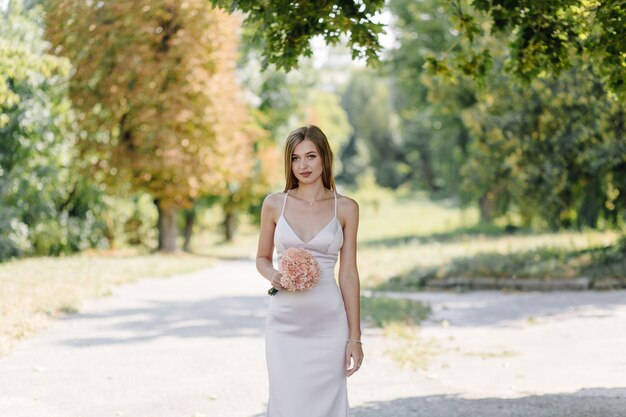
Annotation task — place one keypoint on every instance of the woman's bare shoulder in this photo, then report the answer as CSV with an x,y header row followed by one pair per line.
x,y
347,204
274,200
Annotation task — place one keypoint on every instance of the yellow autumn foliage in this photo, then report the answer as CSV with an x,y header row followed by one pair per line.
x,y
154,81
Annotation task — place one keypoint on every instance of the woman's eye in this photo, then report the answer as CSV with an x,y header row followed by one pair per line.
x,y
295,158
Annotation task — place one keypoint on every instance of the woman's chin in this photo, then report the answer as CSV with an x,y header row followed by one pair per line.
x,y
308,180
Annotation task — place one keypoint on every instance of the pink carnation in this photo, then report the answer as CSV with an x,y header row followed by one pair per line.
x,y
300,270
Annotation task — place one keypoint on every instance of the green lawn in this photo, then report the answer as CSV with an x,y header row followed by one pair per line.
x,y
405,241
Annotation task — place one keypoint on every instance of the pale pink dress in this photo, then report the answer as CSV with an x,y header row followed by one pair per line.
x,y
306,332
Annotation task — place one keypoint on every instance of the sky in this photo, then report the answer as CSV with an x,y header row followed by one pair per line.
x,y
387,40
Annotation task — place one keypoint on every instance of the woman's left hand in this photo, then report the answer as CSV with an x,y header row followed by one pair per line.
x,y
354,350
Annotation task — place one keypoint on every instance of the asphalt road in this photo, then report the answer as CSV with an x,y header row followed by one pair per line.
x,y
192,346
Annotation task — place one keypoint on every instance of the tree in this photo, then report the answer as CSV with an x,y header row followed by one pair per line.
x,y
159,106
553,149
368,104
547,36
46,208
285,27
434,139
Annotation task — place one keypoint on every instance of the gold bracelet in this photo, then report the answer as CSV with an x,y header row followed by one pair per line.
x,y
355,340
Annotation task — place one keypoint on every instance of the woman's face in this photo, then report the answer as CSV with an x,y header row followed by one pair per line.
x,y
306,162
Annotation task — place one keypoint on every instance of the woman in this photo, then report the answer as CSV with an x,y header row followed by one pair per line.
x,y
312,337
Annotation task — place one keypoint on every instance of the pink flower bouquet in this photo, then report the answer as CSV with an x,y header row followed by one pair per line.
x,y
300,270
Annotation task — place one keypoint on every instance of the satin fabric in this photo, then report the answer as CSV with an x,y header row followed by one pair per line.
x,y
306,332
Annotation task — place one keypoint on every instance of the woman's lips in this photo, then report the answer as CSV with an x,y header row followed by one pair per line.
x,y
305,174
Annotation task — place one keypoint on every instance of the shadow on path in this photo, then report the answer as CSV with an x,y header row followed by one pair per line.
x,y
597,402
496,309
242,316
594,402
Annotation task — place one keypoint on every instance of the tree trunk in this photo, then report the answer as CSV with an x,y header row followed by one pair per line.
x,y
190,217
109,232
591,204
426,167
168,230
487,206
229,224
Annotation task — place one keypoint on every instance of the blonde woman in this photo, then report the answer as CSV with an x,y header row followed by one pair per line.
x,y
312,337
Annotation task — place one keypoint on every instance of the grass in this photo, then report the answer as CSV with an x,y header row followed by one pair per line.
x,y
34,290
564,255
379,311
410,349
243,246
400,320
404,242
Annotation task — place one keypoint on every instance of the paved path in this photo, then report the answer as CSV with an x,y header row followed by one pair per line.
x,y
193,346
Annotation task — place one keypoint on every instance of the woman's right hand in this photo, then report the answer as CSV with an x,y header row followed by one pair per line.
x,y
275,281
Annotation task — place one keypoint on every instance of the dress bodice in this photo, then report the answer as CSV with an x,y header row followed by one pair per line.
x,y
325,245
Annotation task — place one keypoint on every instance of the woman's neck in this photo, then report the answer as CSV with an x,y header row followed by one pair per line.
x,y
311,192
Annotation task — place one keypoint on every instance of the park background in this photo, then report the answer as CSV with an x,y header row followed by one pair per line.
x,y
484,142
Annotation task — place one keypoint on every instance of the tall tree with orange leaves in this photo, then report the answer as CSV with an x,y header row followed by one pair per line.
x,y
160,109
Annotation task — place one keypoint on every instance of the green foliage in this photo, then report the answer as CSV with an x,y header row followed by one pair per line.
x,y
130,221
46,207
434,138
550,149
554,149
285,27
548,36
367,102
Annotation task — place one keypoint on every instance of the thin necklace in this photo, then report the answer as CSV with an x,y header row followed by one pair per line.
x,y
309,203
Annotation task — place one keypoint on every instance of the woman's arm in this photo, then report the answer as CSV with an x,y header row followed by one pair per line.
x,y
265,247
349,284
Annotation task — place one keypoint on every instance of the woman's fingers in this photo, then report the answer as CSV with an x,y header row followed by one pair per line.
x,y
353,369
276,281
350,369
356,358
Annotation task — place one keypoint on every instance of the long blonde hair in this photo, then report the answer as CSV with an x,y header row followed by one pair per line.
x,y
315,135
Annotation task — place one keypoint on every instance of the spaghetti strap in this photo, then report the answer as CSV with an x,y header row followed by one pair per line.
x,y
284,202
335,203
